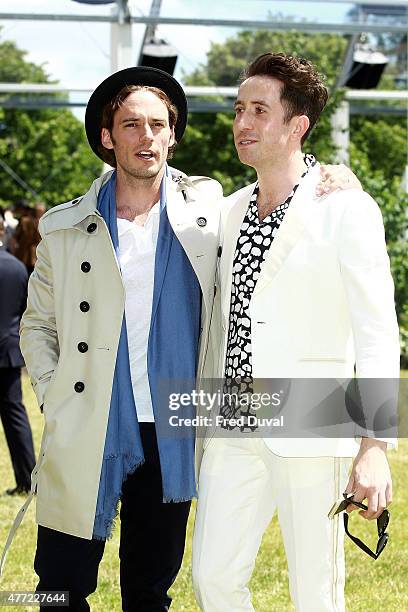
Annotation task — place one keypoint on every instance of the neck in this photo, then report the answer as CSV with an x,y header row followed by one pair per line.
x,y
277,180
136,196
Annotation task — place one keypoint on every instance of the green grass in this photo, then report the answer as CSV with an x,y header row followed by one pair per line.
x,y
371,585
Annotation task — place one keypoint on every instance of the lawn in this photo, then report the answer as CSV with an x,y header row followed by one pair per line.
x,y
372,586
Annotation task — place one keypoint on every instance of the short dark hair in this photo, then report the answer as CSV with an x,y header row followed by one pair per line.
x,y
109,110
303,91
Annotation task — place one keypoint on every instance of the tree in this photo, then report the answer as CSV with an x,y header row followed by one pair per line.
x,y
225,61
46,148
16,69
368,135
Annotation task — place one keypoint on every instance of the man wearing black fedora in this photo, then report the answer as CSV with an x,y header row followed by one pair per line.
x,y
120,300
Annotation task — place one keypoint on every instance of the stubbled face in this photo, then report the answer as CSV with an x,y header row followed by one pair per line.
x,y
141,135
260,134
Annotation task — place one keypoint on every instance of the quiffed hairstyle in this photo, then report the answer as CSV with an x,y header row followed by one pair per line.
x,y
109,110
303,91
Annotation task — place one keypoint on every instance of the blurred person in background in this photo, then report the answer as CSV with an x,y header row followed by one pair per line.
x,y
39,209
13,292
26,237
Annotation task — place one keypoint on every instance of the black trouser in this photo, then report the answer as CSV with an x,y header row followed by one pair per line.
x,y
16,426
152,541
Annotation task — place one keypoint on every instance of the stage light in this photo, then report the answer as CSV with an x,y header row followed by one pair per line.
x,y
157,53
366,69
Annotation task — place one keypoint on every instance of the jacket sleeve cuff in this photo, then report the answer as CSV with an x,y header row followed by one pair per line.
x,y
392,443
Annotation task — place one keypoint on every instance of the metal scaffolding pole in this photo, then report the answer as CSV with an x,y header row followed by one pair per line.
x,y
303,26
195,91
151,29
121,37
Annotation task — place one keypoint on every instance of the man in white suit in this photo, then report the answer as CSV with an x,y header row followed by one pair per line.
x,y
306,292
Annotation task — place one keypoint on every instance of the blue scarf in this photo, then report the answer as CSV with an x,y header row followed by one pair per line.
x,y
172,361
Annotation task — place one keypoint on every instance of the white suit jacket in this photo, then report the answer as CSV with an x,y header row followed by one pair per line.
x,y
324,300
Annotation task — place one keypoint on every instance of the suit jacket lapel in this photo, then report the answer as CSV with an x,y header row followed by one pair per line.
x,y
291,229
231,229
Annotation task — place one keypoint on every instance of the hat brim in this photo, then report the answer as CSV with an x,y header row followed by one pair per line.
x,y
137,75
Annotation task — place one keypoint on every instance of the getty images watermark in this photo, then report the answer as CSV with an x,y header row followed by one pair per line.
x,y
242,403
284,407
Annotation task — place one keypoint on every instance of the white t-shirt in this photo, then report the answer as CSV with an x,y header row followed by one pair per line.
x,y
137,250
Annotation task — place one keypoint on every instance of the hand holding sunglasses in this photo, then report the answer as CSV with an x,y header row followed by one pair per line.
x,y
382,524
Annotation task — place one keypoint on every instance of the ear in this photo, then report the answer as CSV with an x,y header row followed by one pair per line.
x,y
172,140
106,138
301,126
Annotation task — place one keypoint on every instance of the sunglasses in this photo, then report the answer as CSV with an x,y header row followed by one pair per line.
x,y
382,524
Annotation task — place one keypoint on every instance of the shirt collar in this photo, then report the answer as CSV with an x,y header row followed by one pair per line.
x,y
125,226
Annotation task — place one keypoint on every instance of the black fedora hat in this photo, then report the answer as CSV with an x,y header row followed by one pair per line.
x,y
137,75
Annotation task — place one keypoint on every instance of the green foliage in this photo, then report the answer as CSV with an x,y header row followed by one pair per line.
x,y
404,346
225,61
369,136
46,148
14,68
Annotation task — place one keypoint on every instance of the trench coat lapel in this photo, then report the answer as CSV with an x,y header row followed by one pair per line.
x,y
193,223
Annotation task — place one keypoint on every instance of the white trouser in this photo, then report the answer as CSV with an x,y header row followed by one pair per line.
x,y
241,485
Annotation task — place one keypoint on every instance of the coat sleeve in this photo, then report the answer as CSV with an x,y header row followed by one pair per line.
x,y
366,274
365,270
38,332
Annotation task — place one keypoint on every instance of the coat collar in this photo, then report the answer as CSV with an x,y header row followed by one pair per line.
x,y
87,206
77,212
177,182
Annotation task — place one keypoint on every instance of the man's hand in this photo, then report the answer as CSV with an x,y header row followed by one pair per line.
x,y
371,478
336,177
